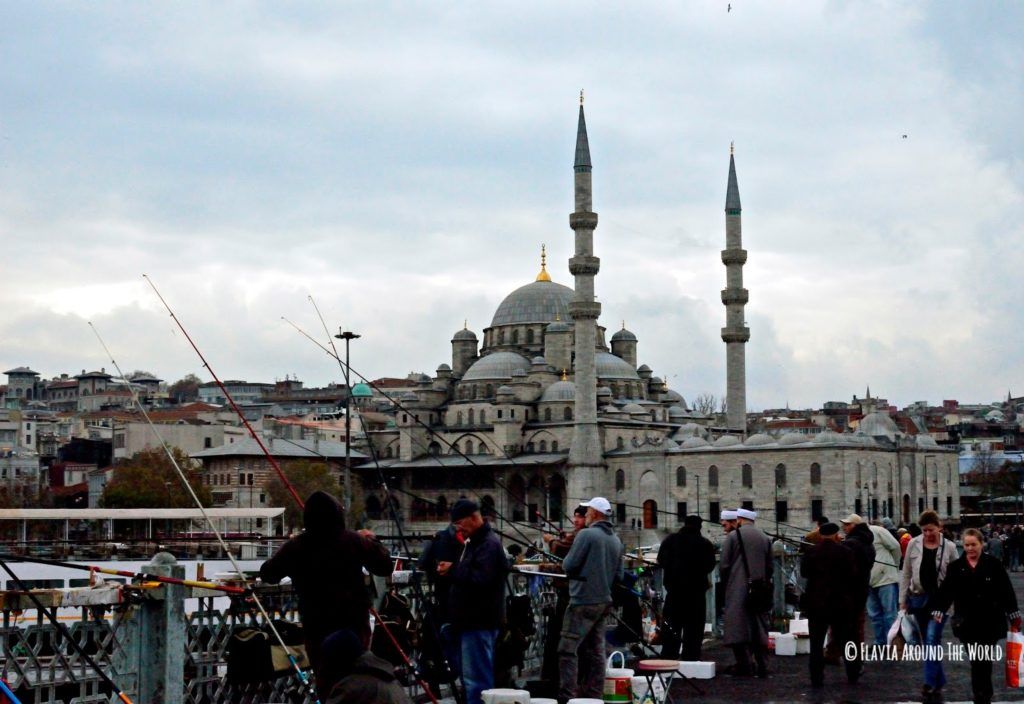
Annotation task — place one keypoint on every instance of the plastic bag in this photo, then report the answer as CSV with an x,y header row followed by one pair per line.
x,y
904,627
1015,660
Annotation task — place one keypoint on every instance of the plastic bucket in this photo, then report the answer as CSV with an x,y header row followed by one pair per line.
x,y
505,696
618,681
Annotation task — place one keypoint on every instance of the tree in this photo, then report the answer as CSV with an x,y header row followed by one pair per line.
x,y
185,389
306,477
706,404
149,480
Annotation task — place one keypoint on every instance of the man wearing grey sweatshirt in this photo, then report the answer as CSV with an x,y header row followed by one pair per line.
x,y
593,565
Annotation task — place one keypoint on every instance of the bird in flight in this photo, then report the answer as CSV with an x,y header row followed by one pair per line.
x,y
728,8
904,136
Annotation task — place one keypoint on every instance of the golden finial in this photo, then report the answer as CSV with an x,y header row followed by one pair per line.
x,y
558,317
543,275
581,97
732,148
565,377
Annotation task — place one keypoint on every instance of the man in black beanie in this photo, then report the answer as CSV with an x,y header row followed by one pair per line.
x,y
687,558
477,598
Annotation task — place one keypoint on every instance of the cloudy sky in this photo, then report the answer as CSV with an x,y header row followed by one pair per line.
x,y
403,163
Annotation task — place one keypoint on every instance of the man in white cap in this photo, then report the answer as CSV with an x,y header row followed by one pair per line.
x,y
728,520
593,564
746,569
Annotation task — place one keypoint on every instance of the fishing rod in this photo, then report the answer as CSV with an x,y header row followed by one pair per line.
x,y
65,633
303,679
453,447
143,576
227,395
404,544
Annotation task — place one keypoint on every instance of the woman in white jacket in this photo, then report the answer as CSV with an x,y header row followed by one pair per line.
x,y
924,568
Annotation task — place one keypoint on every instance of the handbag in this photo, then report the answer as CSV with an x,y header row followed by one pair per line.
x,y
760,592
1014,660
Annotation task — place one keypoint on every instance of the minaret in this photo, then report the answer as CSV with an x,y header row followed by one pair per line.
x,y
735,333
585,455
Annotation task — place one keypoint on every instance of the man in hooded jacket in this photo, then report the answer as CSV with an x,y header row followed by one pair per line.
x,y
861,541
325,564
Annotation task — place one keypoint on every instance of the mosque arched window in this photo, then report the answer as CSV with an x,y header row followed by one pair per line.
x,y
472,416
713,476
650,514
554,446
543,445
469,447
501,337
547,413
441,508
434,449
483,416
780,476
515,337
567,413
620,443
815,474
373,507
489,391
680,476
747,476
529,336
458,418
529,448
620,480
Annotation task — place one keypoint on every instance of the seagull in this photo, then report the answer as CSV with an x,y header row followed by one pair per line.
x,y
728,8
904,136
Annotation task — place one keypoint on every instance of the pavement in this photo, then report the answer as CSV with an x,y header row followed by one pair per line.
x,y
885,681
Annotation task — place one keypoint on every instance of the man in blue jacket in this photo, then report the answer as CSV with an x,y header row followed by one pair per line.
x,y
477,598
593,564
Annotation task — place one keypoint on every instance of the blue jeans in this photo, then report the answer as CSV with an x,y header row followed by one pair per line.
x,y
931,630
477,663
451,648
883,603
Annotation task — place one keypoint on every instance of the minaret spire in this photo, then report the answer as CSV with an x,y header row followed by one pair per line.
x,y
735,333
585,455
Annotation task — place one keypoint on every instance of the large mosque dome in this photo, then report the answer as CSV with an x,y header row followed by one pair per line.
x,y
497,366
537,302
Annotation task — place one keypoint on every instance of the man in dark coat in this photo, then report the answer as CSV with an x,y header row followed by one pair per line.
x,y
477,598
829,600
442,552
326,564
687,558
861,541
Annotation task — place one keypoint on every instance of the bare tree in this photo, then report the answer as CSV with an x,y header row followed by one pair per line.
x,y
705,404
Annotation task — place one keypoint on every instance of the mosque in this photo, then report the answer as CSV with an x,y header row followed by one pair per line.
x,y
543,413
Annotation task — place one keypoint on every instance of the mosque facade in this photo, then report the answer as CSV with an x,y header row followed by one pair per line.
x,y
543,410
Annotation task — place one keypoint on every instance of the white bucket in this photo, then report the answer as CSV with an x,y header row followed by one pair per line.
x,y
505,696
618,681
534,700
585,701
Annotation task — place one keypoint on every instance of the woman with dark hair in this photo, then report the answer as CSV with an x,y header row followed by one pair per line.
x,y
924,570
978,587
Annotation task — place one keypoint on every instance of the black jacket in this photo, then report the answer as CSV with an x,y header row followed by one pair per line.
x,y
372,681
326,564
831,573
687,558
983,599
860,541
477,597
444,547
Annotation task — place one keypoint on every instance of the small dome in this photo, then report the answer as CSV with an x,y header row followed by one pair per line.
x,y
695,442
862,439
539,361
537,302
497,365
610,409
793,439
691,429
517,373
362,390
559,391
443,368
632,408
926,441
643,368
676,412
623,335
759,439
464,334
504,390
558,326
608,366
604,392
878,424
727,441
409,396
656,380
827,437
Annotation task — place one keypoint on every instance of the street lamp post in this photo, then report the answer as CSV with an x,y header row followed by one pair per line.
x,y
347,336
